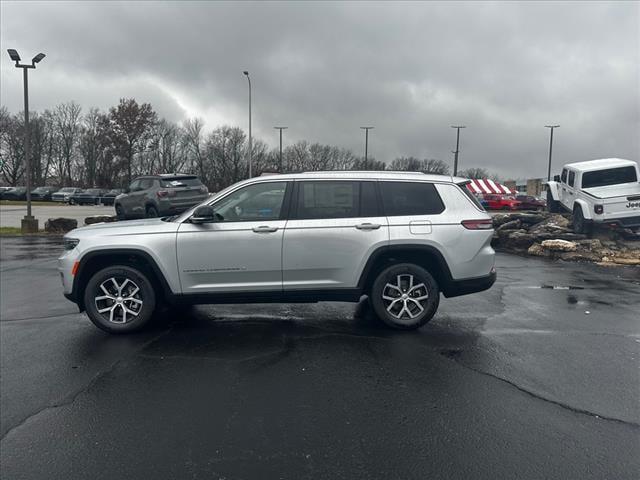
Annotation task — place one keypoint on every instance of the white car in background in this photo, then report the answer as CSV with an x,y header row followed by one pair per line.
x,y
605,191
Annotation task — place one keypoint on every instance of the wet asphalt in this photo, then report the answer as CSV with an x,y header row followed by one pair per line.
x,y
536,378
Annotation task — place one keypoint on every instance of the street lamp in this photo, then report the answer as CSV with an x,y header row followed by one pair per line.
x,y
280,128
366,142
29,224
550,148
457,150
250,144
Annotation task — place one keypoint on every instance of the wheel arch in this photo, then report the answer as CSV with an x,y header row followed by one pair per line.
x,y
553,188
97,260
584,206
426,256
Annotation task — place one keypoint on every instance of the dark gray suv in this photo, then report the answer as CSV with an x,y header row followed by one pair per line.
x,y
160,195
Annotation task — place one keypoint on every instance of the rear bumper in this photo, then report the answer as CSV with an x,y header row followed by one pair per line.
x,y
456,288
625,222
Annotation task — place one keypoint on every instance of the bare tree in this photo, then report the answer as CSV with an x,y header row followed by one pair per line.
x,y
66,117
130,125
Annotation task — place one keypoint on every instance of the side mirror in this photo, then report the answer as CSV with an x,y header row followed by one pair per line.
x,y
203,214
556,178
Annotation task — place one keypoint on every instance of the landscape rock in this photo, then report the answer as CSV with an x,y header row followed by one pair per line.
x,y
100,219
536,250
60,225
513,225
521,240
558,245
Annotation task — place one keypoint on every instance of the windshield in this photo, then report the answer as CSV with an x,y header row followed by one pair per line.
x,y
184,215
610,176
67,189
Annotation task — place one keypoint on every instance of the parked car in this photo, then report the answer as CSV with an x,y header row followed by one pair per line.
x,y
400,238
15,193
501,202
43,193
90,196
64,194
4,189
160,195
109,197
605,191
529,202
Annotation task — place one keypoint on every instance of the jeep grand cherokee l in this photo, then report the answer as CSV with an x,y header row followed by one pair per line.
x,y
400,238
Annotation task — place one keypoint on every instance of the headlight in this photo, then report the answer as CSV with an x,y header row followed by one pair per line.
x,y
70,243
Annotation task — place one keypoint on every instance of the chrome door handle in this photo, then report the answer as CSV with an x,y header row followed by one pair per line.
x,y
368,226
265,229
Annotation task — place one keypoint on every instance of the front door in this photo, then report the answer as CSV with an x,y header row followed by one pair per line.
x,y
242,250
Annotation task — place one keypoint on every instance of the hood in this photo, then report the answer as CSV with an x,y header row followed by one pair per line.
x,y
610,191
128,227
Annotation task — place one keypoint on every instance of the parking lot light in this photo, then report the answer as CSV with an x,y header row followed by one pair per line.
x,y
29,224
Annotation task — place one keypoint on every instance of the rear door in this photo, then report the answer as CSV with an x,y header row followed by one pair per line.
x,y
333,228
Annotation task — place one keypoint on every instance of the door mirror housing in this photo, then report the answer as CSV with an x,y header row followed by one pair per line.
x,y
556,178
203,214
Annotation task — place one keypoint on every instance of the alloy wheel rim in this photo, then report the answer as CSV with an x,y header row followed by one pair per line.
x,y
405,300
118,300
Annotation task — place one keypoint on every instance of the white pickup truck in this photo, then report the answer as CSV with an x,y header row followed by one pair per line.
x,y
605,191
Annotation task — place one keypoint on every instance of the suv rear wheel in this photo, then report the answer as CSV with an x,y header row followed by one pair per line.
x,y
120,215
119,299
405,296
152,212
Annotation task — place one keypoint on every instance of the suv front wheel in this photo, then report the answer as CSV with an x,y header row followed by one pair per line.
x,y
405,296
119,299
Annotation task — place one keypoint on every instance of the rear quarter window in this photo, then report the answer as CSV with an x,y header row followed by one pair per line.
x,y
410,198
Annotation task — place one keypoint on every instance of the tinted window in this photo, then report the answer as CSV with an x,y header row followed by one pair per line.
x,y
610,176
145,183
262,201
328,200
180,182
572,177
135,184
368,200
406,198
563,177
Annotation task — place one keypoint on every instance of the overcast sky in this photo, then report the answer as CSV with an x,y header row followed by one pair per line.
x,y
324,69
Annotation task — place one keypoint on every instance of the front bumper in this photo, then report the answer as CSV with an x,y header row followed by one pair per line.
x,y
456,288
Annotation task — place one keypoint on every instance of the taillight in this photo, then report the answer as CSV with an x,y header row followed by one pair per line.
x,y
166,193
598,209
485,224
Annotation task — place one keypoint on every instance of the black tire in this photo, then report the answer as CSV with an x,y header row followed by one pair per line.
x,y
117,320
399,315
552,205
120,213
580,224
72,201
151,212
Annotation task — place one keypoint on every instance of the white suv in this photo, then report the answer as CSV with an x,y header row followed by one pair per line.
x,y
400,238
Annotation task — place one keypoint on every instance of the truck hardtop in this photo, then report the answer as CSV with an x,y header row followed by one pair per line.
x,y
604,191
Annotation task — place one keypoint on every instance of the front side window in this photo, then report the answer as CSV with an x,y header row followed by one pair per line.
x,y
610,176
262,201
572,177
134,185
407,198
563,177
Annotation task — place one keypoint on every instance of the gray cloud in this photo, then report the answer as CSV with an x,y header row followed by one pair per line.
x,y
324,69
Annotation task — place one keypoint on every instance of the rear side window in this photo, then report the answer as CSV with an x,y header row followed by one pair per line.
x,y
145,183
180,182
406,198
563,177
610,176
328,200
572,177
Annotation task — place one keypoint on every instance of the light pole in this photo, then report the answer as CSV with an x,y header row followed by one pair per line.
x,y
457,150
550,148
28,224
250,145
366,142
280,128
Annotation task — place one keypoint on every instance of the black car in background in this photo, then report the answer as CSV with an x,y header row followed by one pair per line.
x,y
15,193
43,193
109,197
90,196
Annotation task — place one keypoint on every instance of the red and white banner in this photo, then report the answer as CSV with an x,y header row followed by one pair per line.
x,y
486,185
